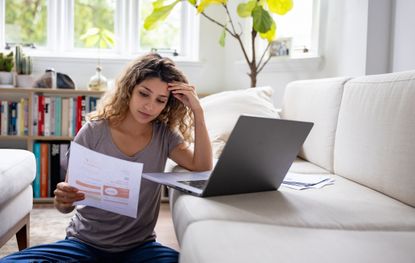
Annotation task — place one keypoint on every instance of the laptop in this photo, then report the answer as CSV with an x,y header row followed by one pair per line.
x,y
256,158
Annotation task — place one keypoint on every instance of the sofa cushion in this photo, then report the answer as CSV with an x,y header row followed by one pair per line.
x,y
344,205
221,241
375,135
17,171
223,109
317,101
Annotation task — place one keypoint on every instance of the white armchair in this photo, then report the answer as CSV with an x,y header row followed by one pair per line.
x,y
17,171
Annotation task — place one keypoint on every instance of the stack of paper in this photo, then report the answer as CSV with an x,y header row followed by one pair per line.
x,y
306,181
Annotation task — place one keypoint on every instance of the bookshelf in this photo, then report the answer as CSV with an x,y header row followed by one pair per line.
x,y
27,135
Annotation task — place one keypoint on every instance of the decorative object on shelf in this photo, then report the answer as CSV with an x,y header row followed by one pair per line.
x,y
263,24
280,47
63,81
98,82
6,74
24,68
52,80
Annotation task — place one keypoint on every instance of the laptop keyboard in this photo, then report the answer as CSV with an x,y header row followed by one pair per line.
x,y
200,184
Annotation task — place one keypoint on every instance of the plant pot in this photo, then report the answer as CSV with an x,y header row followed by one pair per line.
x,y
6,79
25,81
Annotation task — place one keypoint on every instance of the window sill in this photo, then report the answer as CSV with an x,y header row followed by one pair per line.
x,y
288,64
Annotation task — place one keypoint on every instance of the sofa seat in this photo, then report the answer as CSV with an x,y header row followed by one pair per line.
x,y
17,171
343,206
227,241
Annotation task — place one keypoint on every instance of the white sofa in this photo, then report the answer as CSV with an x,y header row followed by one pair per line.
x,y
364,137
17,171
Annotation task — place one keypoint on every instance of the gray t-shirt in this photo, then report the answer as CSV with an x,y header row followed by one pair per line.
x,y
110,231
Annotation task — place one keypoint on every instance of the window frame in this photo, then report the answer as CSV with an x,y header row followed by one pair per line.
x,y
60,32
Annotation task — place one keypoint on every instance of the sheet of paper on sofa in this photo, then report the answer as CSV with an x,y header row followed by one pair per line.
x,y
306,181
109,183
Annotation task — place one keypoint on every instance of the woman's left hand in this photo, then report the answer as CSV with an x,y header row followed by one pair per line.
x,y
186,94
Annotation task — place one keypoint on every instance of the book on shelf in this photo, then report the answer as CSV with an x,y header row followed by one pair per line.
x,y
60,116
51,166
4,117
41,115
44,169
36,182
35,108
47,117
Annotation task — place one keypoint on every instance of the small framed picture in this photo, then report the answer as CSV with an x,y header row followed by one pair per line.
x,y
280,47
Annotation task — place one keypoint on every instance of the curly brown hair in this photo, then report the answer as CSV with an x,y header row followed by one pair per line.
x,y
114,104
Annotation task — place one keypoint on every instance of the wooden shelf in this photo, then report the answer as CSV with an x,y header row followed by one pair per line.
x,y
63,92
13,138
47,200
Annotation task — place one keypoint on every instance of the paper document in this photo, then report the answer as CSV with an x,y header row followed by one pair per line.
x,y
306,181
109,183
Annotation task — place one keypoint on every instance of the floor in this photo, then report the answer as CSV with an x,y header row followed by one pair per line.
x,y
48,225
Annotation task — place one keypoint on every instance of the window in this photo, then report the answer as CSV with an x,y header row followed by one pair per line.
x,y
299,27
298,24
26,22
86,27
166,36
94,23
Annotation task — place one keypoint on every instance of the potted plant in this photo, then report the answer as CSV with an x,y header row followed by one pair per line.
x,y
6,66
263,24
24,68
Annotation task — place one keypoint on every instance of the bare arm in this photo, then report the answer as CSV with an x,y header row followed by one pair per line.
x,y
201,158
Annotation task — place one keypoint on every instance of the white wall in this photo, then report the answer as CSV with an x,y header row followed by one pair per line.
x,y
403,46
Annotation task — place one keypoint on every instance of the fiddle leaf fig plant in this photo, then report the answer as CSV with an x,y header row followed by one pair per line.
x,y
260,11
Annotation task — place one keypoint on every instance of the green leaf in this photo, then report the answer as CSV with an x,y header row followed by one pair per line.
x,y
158,4
262,19
90,32
222,38
92,41
158,15
205,3
270,35
245,9
280,7
192,2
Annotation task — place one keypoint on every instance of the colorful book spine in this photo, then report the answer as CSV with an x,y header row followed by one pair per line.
x,y
41,115
78,114
71,116
52,116
26,117
35,108
36,182
44,169
5,118
12,118
47,116
63,161
58,116
65,117
54,174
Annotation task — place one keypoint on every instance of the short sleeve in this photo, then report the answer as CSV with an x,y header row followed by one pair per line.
x,y
174,139
85,136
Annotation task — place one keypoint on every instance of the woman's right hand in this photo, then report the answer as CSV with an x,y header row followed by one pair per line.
x,y
65,196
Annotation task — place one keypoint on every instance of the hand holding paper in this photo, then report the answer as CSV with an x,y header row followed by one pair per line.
x,y
109,183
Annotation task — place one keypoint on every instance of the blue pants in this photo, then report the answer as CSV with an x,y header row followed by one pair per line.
x,y
71,250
